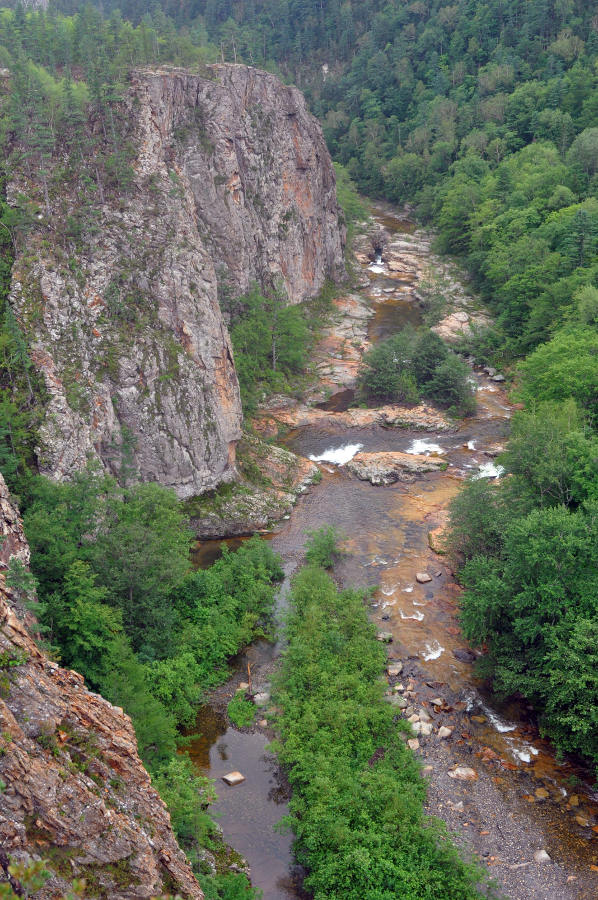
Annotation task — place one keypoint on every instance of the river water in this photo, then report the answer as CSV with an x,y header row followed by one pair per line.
x,y
386,538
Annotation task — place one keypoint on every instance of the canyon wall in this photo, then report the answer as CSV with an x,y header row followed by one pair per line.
x,y
75,792
231,183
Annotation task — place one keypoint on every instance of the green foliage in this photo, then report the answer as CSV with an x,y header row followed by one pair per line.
x,y
240,711
22,877
356,807
564,367
410,365
528,545
536,607
134,540
353,207
322,546
231,886
449,386
22,395
553,455
187,796
270,340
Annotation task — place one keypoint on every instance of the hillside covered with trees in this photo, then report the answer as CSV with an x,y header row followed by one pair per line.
x,y
484,118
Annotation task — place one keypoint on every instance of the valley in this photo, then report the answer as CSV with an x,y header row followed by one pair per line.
x,y
517,799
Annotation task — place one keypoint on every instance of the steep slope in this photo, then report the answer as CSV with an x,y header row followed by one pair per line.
x,y
231,182
76,793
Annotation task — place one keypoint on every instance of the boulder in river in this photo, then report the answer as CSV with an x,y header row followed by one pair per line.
x,y
464,655
463,773
384,636
233,778
388,467
423,577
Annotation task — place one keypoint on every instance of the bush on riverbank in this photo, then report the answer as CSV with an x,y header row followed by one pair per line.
x,y
411,365
529,555
357,804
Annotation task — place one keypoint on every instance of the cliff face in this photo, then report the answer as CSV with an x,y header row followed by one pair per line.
x,y
256,164
76,793
231,182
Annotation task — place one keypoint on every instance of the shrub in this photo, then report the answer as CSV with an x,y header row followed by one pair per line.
x,y
322,546
240,711
357,803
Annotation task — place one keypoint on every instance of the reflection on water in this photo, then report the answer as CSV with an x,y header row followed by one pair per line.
x,y
205,553
249,812
392,315
339,402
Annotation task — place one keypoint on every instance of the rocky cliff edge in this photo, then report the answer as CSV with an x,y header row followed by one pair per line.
x,y
75,791
117,290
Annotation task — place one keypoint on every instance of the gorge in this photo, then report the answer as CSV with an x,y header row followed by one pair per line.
x,y
210,342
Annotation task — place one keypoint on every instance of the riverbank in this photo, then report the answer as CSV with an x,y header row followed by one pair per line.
x,y
520,801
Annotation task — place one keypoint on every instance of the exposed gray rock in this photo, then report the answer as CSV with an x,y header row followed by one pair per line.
x,y
463,773
386,467
261,699
384,636
395,669
232,184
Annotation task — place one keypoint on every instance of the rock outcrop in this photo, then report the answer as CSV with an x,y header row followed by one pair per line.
x,y
277,478
231,183
74,791
389,466
286,412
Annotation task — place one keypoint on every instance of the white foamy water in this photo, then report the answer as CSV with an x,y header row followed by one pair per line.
x,y
417,616
408,589
421,445
338,455
376,561
474,701
523,753
471,445
496,721
489,470
432,651
376,269
389,591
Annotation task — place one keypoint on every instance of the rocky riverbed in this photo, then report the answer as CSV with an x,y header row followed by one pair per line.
x,y
531,820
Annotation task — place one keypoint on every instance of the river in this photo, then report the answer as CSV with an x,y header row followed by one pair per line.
x,y
522,799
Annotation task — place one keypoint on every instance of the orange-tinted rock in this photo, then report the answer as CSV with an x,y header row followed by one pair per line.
x,y
79,797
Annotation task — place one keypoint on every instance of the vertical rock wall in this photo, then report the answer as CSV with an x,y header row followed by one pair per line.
x,y
232,184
